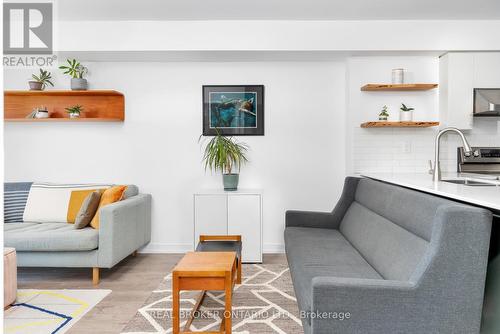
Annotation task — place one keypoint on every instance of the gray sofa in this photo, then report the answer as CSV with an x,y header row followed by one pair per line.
x,y
389,260
125,226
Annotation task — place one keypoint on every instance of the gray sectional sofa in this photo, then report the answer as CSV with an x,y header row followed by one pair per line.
x,y
125,226
389,260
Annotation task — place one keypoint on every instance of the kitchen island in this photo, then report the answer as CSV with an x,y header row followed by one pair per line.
x,y
484,196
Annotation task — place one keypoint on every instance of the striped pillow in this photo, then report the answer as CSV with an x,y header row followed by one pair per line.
x,y
14,202
56,203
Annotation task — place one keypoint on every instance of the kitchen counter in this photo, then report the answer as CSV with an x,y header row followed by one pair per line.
x,y
485,196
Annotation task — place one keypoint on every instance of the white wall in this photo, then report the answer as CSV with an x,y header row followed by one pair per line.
x,y
403,149
392,149
300,162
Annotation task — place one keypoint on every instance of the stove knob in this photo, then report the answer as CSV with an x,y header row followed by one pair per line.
x,y
476,153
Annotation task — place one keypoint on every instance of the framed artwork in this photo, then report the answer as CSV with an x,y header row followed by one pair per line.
x,y
233,110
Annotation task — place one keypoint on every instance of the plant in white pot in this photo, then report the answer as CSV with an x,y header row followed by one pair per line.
x,y
406,113
225,154
77,72
74,111
41,81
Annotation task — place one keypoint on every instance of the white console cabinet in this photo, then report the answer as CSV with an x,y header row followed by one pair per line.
x,y
219,212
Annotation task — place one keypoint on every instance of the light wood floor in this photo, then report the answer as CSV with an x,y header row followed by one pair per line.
x,y
132,281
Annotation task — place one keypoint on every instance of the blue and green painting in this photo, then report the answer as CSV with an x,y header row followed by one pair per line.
x,y
233,109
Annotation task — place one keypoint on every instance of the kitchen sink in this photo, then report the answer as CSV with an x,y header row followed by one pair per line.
x,y
469,182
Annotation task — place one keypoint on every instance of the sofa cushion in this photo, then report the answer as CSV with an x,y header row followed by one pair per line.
x,y
41,237
15,197
393,251
313,252
50,202
132,190
412,210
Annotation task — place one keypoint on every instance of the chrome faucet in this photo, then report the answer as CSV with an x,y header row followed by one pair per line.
x,y
436,170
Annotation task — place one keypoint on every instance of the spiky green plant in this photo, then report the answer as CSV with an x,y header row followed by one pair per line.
x,y
44,78
223,153
405,108
76,109
74,69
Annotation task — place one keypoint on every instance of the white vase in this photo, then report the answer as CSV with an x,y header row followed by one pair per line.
x,y
42,114
74,115
406,116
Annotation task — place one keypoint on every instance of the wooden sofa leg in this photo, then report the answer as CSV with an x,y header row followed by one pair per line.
x,y
134,253
95,276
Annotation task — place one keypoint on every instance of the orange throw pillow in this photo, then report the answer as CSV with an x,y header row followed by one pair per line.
x,y
110,195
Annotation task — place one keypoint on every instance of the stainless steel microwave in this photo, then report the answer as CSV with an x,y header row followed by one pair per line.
x,y
486,102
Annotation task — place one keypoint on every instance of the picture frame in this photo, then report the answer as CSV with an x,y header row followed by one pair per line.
x,y
233,110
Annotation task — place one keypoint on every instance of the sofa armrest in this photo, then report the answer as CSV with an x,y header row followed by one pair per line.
x,y
124,227
295,218
351,305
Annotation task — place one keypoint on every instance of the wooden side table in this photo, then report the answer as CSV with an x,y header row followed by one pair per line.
x,y
204,271
9,277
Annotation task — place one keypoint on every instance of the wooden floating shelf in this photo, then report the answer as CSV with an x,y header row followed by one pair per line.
x,y
400,87
98,105
383,124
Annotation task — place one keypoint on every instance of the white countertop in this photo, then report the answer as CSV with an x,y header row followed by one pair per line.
x,y
485,196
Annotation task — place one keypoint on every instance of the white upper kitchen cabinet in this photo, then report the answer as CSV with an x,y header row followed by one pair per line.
x,y
456,87
459,74
487,70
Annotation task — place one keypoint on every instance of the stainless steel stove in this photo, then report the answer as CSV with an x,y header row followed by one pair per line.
x,y
484,161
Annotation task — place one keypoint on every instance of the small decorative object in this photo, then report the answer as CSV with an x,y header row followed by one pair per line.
x,y
384,115
42,112
40,81
74,111
398,75
77,71
405,114
233,110
224,154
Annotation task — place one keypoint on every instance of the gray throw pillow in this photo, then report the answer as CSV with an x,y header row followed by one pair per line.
x,y
87,210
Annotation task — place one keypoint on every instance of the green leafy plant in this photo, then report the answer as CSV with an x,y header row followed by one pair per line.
x,y
74,69
223,153
76,109
384,112
44,78
405,108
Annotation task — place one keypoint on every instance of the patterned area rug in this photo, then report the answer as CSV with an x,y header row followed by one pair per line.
x,y
264,303
49,311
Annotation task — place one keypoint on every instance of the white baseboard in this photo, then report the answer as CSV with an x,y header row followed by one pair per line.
x,y
160,248
165,248
274,248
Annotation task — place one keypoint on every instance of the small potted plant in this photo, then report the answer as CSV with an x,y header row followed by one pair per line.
x,y
406,113
77,72
74,111
224,153
384,115
40,81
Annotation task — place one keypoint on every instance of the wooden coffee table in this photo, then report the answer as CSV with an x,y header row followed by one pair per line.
x,y
204,271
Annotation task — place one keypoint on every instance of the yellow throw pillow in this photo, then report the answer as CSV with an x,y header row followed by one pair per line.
x,y
110,195
75,202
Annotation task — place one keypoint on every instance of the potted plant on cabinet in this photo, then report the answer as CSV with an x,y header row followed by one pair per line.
x,y
225,154
406,113
40,81
77,72
74,111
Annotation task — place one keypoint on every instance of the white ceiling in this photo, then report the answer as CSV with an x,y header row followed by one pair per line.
x,y
277,9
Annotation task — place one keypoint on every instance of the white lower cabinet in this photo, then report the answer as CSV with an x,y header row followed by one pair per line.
x,y
229,213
